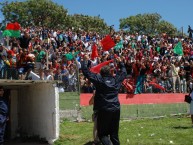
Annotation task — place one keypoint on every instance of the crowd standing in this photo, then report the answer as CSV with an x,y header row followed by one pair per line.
x,y
146,58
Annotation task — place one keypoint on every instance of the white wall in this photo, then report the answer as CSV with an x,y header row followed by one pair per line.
x,y
38,110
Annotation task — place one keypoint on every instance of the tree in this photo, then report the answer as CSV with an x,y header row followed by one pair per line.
x,y
45,13
88,23
166,27
35,12
147,24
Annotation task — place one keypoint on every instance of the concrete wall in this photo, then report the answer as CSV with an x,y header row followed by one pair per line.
x,y
38,110
14,112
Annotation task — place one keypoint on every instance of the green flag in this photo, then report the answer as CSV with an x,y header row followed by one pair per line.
x,y
119,45
70,56
158,49
178,49
12,30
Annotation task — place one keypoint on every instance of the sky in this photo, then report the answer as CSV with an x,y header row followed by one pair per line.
x,y
177,12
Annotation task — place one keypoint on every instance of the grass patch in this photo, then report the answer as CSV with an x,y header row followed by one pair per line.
x,y
136,130
69,101
143,110
163,131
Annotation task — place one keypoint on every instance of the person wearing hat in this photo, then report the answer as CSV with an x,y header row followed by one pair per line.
x,y
3,115
106,102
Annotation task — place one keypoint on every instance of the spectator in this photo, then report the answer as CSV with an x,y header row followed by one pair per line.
x,y
175,76
40,61
24,40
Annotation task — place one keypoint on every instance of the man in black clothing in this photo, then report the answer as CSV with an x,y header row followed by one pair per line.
x,y
106,102
25,40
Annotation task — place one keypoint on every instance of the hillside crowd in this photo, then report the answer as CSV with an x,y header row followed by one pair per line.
x,y
148,59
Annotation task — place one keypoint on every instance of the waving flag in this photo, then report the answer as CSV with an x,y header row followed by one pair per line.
x,y
94,52
107,43
119,45
157,85
12,30
97,68
178,49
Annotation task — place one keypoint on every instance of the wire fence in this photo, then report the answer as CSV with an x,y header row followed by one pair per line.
x,y
70,108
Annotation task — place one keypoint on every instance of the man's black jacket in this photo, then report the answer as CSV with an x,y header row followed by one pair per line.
x,y
107,88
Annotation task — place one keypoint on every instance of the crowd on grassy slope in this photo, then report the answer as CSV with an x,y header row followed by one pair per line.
x,y
151,62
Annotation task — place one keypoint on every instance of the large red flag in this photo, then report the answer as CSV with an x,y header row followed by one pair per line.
x,y
157,85
13,26
97,68
94,52
107,43
12,30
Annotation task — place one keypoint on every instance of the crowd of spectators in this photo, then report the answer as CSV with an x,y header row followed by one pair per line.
x,y
147,59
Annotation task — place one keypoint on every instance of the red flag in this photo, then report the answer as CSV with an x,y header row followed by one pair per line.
x,y
156,85
97,68
13,26
107,43
94,52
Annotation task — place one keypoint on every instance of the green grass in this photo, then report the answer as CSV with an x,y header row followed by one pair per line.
x,y
139,131
163,131
143,110
69,100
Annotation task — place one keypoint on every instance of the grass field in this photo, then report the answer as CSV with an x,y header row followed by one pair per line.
x,y
161,131
140,124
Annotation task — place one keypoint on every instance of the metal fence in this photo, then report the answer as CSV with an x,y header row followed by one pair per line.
x,y
70,109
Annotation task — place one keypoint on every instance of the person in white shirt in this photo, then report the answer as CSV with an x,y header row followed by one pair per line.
x,y
175,76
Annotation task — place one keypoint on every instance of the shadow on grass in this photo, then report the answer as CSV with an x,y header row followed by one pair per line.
x,y
182,127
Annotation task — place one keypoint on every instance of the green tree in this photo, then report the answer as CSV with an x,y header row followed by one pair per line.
x,y
88,23
49,14
35,12
147,24
166,27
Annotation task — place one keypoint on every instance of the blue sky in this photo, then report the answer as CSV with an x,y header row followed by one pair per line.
x,y
177,12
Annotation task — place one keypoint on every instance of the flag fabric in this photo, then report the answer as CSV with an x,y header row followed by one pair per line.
x,y
97,68
157,85
178,49
119,45
107,43
94,52
70,56
12,30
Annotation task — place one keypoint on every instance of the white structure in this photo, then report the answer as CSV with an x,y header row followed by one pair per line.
x,y
34,108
